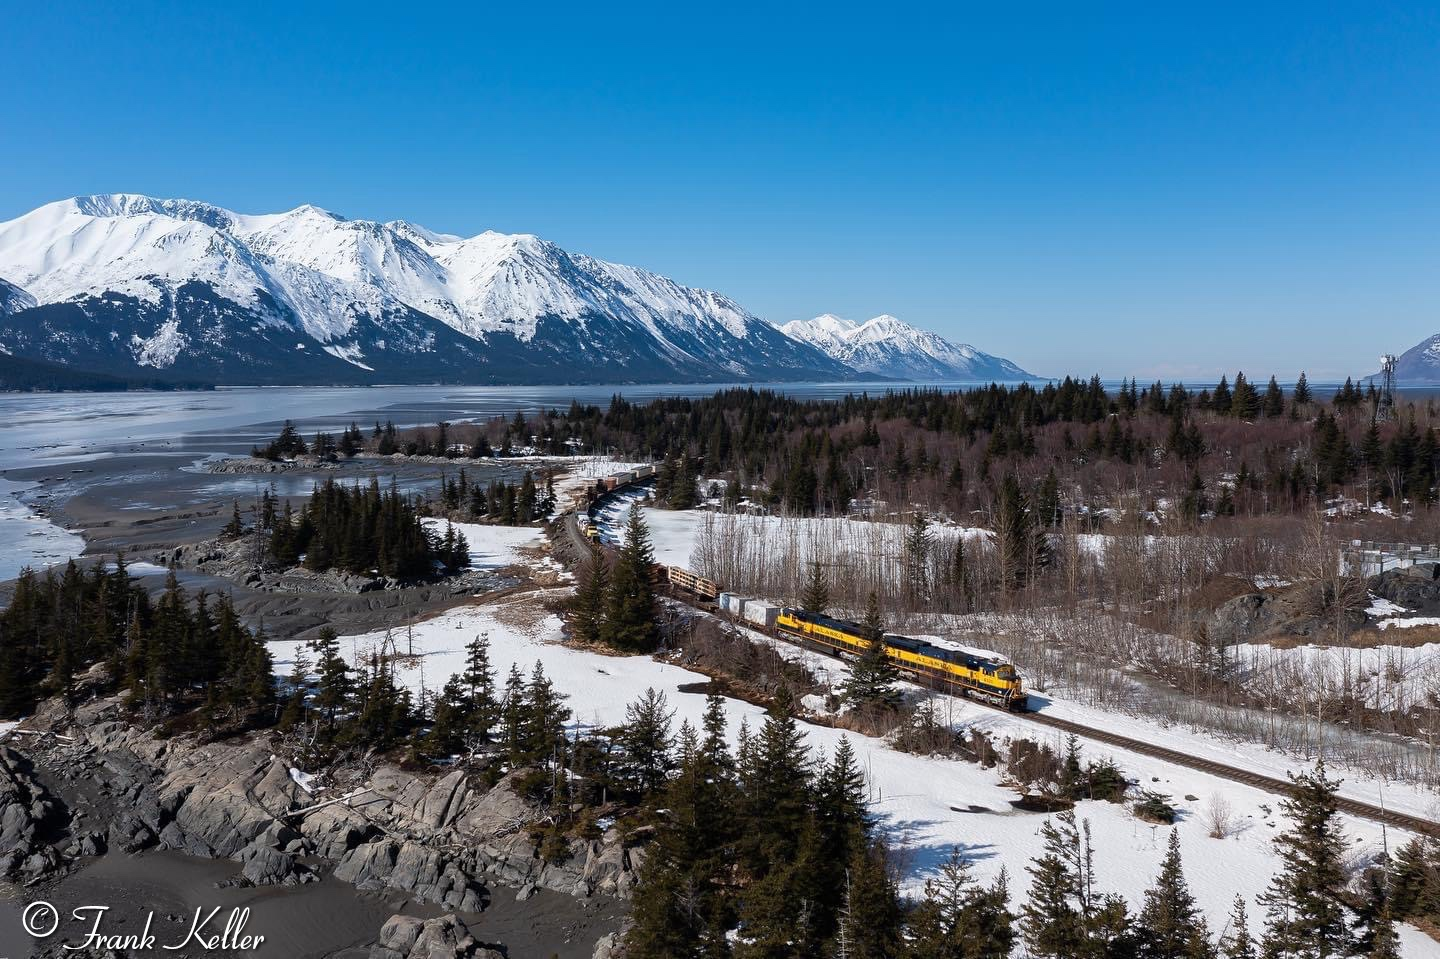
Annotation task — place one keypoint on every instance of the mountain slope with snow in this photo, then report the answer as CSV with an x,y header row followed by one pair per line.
x,y
124,282
885,346
13,299
1420,365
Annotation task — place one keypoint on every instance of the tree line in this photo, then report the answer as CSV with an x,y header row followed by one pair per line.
x,y
357,529
169,654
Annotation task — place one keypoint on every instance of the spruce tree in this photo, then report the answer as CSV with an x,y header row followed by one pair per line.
x,y
1052,921
917,557
646,740
872,680
482,708
1274,402
873,622
871,915
1306,917
815,599
299,680
630,611
958,919
334,686
1021,548
1236,942
587,612
1170,925
1301,396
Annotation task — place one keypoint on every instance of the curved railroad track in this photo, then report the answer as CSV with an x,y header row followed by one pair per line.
x,y
1281,787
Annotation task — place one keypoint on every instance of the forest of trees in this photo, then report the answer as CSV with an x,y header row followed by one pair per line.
x,y
508,504
169,655
357,529
765,852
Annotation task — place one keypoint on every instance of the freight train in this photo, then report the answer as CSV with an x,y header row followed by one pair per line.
x,y
970,673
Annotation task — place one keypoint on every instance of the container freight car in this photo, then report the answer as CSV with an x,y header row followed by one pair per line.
x,y
761,614
732,603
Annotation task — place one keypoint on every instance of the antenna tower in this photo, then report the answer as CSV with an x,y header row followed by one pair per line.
x,y
1385,402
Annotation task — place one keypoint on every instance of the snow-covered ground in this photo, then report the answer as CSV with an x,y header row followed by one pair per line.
x,y
927,805
676,533
494,547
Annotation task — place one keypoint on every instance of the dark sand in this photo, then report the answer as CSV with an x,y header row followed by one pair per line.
x,y
145,505
325,919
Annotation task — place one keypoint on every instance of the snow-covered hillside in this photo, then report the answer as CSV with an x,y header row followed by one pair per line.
x,y
1420,365
124,281
13,299
885,346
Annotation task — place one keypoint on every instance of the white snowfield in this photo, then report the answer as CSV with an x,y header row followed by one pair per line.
x,y
323,266
677,534
926,805
494,547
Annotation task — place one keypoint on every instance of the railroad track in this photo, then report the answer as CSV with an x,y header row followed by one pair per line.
x,y
1280,787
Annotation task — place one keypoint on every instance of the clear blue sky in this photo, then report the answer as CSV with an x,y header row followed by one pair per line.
x,y
1138,189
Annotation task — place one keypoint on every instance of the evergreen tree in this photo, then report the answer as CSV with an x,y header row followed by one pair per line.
x,y
587,613
646,739
1170,925
630,613
1021,548
1301,396
873,679
872,621
815,599
1053,920
917,556
958,919
1274,402
871,917
775,779
1236,943
299,681
1306,917
334,686
481,708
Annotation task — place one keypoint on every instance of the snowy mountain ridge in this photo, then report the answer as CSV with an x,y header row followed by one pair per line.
x,y
181,283
886,346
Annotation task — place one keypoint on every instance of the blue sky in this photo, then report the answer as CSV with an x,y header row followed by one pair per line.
x,y
1135,190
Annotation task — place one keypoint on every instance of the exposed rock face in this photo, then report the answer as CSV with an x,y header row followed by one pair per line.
x,y
27,812
1271,615
444,937
1414,587
440,839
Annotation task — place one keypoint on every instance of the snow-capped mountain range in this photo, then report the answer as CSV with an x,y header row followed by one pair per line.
x,y
123,283
884,346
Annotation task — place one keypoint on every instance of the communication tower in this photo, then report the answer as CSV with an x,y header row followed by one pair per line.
x,y
1385,400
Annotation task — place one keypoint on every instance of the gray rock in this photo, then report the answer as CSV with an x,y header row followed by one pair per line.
x,y
266,866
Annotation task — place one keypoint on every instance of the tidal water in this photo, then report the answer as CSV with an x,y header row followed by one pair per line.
x,y
71,435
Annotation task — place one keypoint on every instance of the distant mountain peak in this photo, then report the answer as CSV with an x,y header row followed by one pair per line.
x,y
887,346
191,286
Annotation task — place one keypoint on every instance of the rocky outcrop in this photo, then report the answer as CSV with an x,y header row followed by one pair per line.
x,y
444,937
1417,588
1272,614
27,813
440,838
